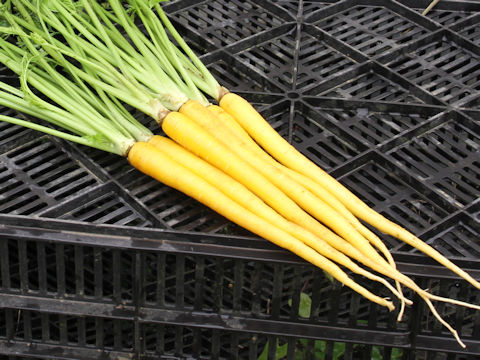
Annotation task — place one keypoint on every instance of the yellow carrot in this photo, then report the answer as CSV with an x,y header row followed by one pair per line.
x,y
231,123
279,148
244,197
151,161
364,250
312,186
304,198
246,142
194,138
175,151
345,247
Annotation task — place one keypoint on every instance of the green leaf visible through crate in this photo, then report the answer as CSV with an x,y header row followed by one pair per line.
x,y
305,305
280,352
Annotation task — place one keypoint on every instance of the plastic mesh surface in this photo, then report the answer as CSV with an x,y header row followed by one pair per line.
x,y
443,68
369,86
225,23
371,29
470,29
446,157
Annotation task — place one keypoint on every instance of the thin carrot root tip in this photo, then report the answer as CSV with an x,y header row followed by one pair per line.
x,y
455,334
401,312
442,321
392,289
389,304
452,301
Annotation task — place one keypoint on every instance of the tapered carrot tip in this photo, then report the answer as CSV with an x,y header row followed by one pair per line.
x,y
389,305
455,335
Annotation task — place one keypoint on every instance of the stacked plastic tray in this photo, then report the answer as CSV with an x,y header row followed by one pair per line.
x,y
100,262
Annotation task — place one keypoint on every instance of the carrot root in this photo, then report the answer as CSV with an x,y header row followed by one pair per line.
x,y
273,143
240,194
444,323
153,162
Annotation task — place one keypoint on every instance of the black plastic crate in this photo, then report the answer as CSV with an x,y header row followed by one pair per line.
x,y
97,261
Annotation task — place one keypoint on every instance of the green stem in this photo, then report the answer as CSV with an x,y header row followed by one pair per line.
x,y
87,141
158,52
91,118
113,49
147,56
213,84
158,34
62,91
10,89
111,109
103,41
158,81
55,75
103,66
133,96
55,115
197,77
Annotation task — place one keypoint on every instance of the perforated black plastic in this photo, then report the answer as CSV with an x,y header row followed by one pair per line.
x,y
97,261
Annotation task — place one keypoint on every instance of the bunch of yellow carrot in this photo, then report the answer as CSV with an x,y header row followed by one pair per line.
x,y
226,156
285,198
